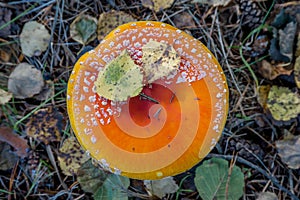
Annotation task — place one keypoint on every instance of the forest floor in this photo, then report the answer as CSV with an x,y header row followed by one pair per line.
x,y
256,42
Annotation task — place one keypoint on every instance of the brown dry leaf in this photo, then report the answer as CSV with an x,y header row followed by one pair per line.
x,y
289,151
120,79
83,29
262,97
270,71
184,20
157,5
297,71
34,39
283,104
4,97
71,156
45,125
7,158
213,2
4,55
18,143
25,81
111,20
161,187
159,60
267,196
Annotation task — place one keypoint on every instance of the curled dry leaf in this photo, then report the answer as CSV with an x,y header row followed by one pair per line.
x,y
262,96
111,20
25,81
17,142
83,29
71,156
4,97
157,5
289,151
159,60
161,187
213,2
120,79
271,71
45,125
283,104
34,39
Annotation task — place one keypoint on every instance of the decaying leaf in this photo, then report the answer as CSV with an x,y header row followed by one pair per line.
x,y
184,20
4,97
111,20
90,177
120,79
262,97
271,71
213,180
159,60
7,158
297,71
289,151
113,188
18,143
157,5
25,81
45,125
213,2
286,39
267,196
71,156
161,187
283,104
83,29
34,39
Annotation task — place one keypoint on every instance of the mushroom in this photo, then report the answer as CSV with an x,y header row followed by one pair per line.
x,y
167,129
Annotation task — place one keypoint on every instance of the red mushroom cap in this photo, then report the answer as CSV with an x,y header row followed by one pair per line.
x,y
141,138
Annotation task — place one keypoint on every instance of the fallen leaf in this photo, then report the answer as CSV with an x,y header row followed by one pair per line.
x,y
7,158
213,181
159,60
4,97
161,187
46,92
34,39
17,142
184,20
90,177
297,71
83,29
113,188
213,2
108,21
5,55
25,81
272,71
283,104
262,96
45,125
71,156
267,196
120,79
289,151
157,5
286,40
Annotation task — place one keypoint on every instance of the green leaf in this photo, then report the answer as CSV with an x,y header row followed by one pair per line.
x,y
113,188
213,181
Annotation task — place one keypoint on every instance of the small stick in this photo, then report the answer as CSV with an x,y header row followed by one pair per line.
x,y
149,98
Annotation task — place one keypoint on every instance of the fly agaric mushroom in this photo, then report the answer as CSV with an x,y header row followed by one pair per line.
x,y
167,129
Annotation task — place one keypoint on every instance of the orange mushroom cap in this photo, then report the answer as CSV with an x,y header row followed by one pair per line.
x,y
141,138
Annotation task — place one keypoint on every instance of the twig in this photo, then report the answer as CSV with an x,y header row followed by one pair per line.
x,y
263,172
